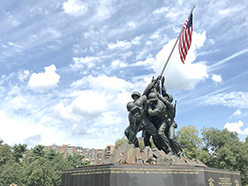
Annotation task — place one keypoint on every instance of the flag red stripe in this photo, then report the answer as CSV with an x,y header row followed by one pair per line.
x,y
185,39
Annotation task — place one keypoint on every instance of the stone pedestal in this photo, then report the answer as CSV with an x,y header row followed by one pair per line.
x,y
148,175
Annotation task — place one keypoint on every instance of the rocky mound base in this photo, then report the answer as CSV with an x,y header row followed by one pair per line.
x,y
128,154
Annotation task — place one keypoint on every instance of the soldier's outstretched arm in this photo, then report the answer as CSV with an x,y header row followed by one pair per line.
x,y
150,86
163,87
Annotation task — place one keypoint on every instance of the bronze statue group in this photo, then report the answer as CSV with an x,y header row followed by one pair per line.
x,y
153,113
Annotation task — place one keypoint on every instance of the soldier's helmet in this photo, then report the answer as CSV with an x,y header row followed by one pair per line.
x,y
152,97
135,93
131,106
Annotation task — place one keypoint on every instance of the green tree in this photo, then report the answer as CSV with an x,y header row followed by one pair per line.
x,y
142,144
40,172
28,157
5,155
1,142
38,151
12,174
18,151
51,154
226,151
246,139
6,158
214,139
58,162
75,160
190,141
119,142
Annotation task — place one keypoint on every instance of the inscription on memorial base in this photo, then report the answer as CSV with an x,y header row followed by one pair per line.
x,y
149,175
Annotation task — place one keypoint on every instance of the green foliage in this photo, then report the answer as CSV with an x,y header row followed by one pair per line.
x,y
38,166
40,172
18,151
124,139
12,174
28,157
190,141
226,151
6,156
119,142
1,142
38,151
142,144
246,139
75,160
214,138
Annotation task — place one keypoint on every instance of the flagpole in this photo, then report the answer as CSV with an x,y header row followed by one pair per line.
x,y
166,63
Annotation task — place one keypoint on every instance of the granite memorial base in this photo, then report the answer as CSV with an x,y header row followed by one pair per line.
x,y
148,175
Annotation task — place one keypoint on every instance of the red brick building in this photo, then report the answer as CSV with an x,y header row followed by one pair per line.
x,y
95,156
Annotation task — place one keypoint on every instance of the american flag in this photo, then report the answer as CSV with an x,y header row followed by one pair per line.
x,y
185,38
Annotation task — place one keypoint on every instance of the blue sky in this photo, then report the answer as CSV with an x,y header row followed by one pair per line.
x,y
68,67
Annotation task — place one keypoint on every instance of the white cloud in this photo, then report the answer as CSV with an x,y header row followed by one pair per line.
x,y
161,10
143,53
12,19
219,65
216,78
54,33
179,76
90,102
23,75
233,99
173,14
131,24
64,113
148,43
236,113
235,127
81,62
155,35
123,98
136,40
102,93
43,82
51,135
125,44
126,55
118,64
212,41
182,76
120,44
104,10
104,83
229,10
18,102
15,46
100,106
75,7
15,130
147,62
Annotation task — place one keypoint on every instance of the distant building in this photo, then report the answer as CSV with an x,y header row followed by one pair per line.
x,y
109,151
95,156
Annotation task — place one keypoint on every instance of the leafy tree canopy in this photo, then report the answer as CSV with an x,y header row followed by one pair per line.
x,y
190,141
18,151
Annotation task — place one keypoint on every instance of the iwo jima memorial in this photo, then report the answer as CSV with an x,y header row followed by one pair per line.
x,y
166,165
